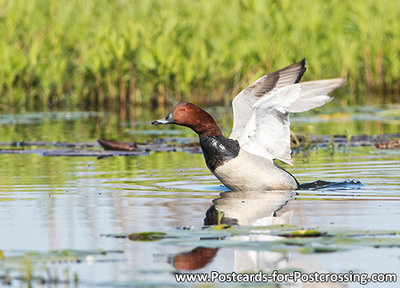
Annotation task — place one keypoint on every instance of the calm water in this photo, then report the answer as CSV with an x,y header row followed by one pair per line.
x,y
56,203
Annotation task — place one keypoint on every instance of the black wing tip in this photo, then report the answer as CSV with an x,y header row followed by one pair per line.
x,y
303,69
299,67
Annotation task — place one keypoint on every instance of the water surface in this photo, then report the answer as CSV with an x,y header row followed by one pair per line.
x,y
57,203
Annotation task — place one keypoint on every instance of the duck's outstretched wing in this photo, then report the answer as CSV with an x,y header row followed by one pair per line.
x,y
244,101
267,132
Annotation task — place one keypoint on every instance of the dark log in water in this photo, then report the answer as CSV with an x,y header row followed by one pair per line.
x,y
116,148
115,145
392,144
386,141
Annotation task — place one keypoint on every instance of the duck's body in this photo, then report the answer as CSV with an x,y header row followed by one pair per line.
x,y
240,170
244,161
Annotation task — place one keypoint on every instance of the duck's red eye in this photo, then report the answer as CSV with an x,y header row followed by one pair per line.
x,y
183,109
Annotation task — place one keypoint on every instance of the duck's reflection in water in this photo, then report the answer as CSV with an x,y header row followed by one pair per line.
x,y
194,259
242,208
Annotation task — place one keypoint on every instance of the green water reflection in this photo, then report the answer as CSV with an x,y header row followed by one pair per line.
x,y
134,125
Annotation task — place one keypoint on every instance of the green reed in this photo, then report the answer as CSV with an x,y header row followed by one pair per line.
x,y
102,53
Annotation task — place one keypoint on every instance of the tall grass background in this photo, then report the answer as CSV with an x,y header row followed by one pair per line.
x,y
101,53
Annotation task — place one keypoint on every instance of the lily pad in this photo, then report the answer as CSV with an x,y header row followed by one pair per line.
x,y
303,233
222,227
147,236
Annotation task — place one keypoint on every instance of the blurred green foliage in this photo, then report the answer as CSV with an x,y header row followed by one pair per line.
x,y
101,53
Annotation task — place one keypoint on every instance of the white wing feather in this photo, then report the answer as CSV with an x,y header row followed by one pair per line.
x,y
244,101
267,133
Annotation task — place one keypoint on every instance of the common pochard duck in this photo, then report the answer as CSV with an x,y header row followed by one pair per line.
x,y
260,133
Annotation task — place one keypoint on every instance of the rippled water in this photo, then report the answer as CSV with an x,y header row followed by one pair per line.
x,y
55,203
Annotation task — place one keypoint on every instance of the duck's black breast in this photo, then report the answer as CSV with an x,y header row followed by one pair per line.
x,y
218,149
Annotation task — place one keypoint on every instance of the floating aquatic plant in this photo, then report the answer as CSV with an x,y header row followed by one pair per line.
x,y
286,238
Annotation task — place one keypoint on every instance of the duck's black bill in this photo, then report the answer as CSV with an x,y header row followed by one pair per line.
x,y
169,119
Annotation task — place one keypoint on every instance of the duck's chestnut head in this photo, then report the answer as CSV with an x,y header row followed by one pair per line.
x,y
189,115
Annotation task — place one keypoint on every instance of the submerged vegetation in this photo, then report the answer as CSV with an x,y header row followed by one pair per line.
x,y
48,268
90,54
